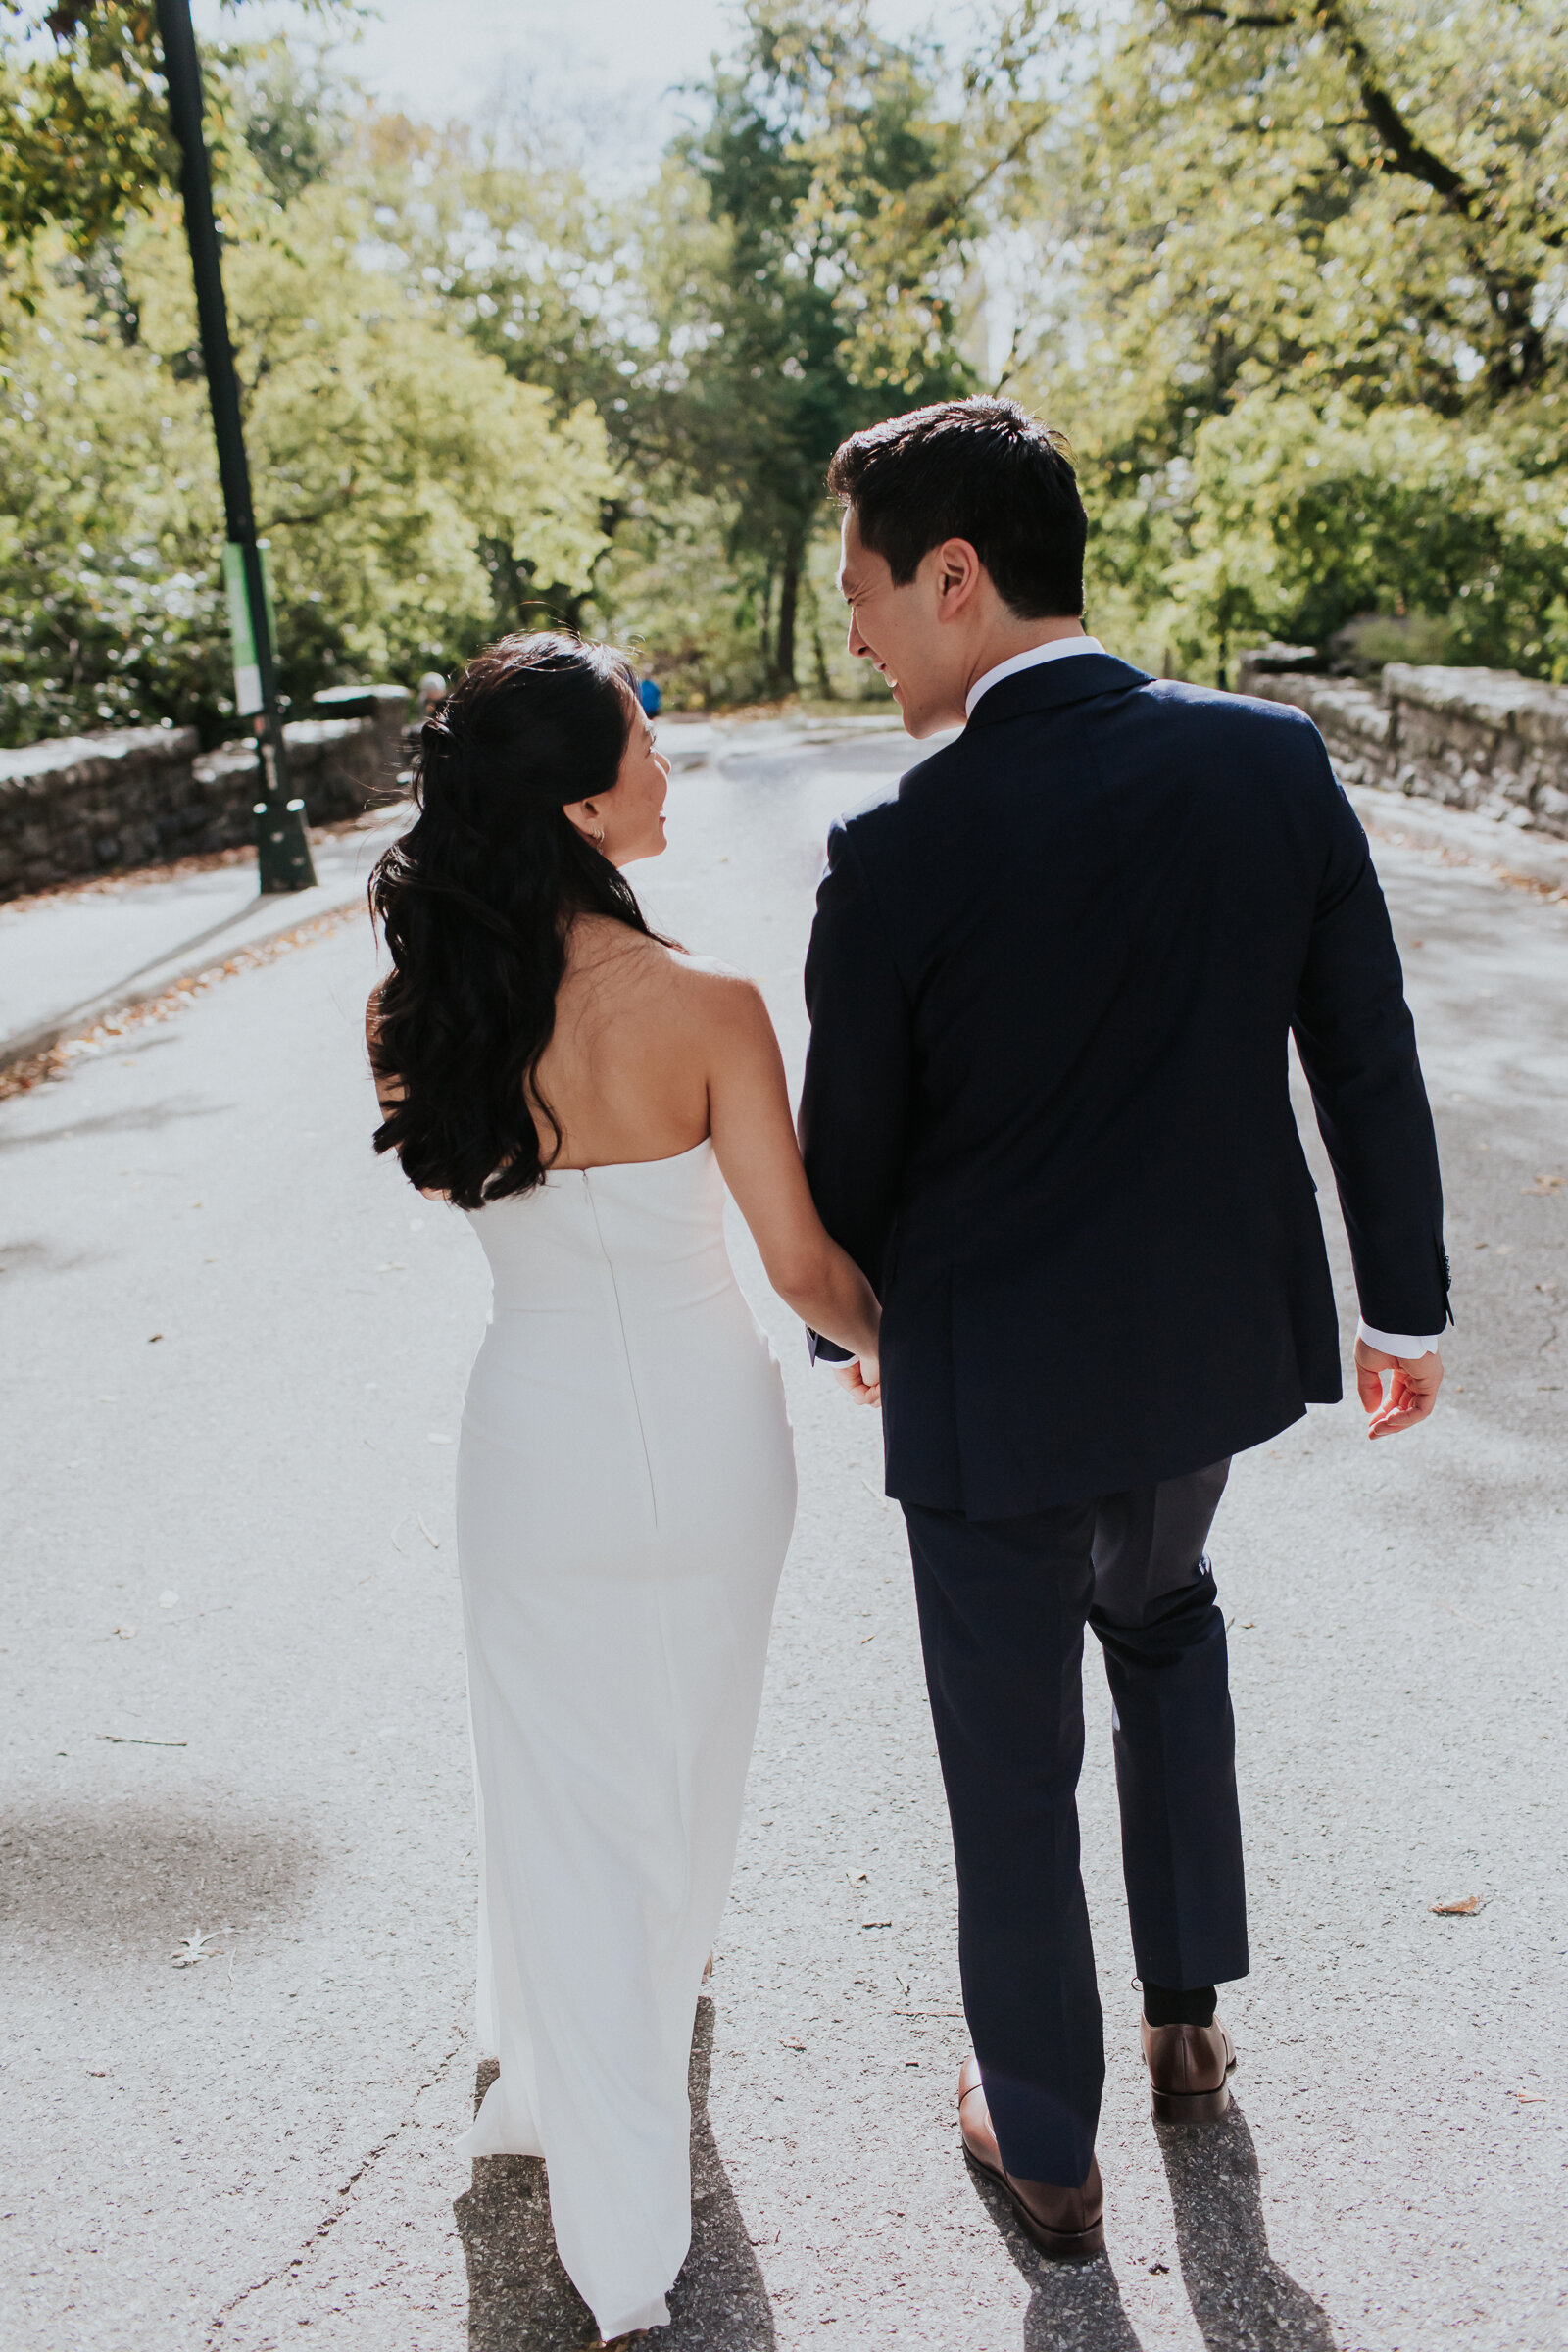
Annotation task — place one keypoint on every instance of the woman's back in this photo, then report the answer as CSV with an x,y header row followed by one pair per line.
x,y
625,1073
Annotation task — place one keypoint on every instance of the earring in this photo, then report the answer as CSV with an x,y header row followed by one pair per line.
x,y
599,838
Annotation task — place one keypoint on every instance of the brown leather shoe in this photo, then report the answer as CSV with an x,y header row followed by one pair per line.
x,y
1067,2223
1189,2067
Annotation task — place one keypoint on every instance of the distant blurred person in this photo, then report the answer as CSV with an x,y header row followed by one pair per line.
x,y
650,697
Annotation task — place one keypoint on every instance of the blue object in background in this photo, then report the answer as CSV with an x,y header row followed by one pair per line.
x,y
650,697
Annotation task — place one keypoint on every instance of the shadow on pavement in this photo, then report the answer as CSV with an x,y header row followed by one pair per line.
x,y
1074,2305
30,1257
149,1118
519,2297
123,1879
1241,2298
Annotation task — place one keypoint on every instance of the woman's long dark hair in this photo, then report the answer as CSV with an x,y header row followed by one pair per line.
x,y
476,899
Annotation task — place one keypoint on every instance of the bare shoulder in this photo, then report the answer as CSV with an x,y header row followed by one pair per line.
x,y
718,996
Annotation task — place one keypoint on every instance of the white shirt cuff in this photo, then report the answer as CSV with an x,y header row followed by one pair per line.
x,y
1397,1342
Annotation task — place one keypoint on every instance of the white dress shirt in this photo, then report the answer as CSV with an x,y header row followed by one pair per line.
x,y
1057,649
1061,649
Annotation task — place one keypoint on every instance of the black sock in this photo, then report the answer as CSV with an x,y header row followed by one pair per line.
x,y
1193,2007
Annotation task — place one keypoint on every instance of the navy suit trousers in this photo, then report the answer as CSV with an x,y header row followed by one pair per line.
x,y
1003,1603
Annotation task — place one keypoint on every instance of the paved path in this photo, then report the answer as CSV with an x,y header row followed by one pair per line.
x,y
235,1349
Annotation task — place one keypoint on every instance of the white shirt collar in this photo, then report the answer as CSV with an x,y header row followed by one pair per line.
x,y
1057,649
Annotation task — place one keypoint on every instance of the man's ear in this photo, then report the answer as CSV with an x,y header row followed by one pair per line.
x,y
958,575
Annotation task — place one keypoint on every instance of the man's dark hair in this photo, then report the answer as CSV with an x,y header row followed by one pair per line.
x,y
979,469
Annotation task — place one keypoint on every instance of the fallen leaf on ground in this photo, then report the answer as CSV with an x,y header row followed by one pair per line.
x,y
192,1948
434,1541
857,1877
1544,1184
1462,1907
126,1633
1531,2099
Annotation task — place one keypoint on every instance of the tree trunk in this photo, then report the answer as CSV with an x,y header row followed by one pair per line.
x,y
789,597
824,683
766,631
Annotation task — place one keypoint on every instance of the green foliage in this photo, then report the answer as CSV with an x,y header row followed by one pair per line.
x,y
85,133
682,603
1311,263
1294,279
398,468
291,115
541,273
833,291
798,267
1301,521
109,608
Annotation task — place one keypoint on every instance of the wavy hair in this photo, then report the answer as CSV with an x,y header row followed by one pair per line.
x,y
476,901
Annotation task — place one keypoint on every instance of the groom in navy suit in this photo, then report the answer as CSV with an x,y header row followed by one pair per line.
x,y
1053,979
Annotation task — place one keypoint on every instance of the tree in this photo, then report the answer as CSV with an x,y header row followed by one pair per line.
x,y
833,290
392,459
85,143
85,136
1359,207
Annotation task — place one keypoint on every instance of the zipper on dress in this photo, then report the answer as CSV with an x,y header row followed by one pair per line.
x,y
625,1347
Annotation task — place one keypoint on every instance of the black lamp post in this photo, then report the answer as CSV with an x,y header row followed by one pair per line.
x,y
282,848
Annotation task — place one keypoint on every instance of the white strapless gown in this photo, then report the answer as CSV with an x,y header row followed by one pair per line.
x,y
626,1495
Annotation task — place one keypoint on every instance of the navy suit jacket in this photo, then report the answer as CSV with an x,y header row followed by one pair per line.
x,y
1047,1108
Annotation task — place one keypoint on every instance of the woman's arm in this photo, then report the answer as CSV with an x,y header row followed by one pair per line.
x,y
753,1137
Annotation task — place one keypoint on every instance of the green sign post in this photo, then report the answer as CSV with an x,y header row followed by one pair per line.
x,y
283,850
241,635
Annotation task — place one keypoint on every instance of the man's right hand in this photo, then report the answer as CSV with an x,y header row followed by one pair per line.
x,y
1412,1391
863,1380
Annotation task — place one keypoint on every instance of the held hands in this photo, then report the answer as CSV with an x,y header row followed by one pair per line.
x,y
1412,1392
862,1378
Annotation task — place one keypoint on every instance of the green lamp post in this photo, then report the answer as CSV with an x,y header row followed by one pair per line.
x,y
282,847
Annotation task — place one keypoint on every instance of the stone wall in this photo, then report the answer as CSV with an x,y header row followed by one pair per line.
x,y
1485,740
142,796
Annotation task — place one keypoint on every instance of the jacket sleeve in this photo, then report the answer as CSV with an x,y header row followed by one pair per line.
x,y
1356,1040
856,1098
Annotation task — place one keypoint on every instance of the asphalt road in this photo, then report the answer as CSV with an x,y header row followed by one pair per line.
x,y
234,1352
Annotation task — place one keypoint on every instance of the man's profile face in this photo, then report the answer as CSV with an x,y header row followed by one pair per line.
x,y
899,632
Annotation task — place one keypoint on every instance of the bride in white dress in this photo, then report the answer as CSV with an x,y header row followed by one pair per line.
x,y
625,1480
